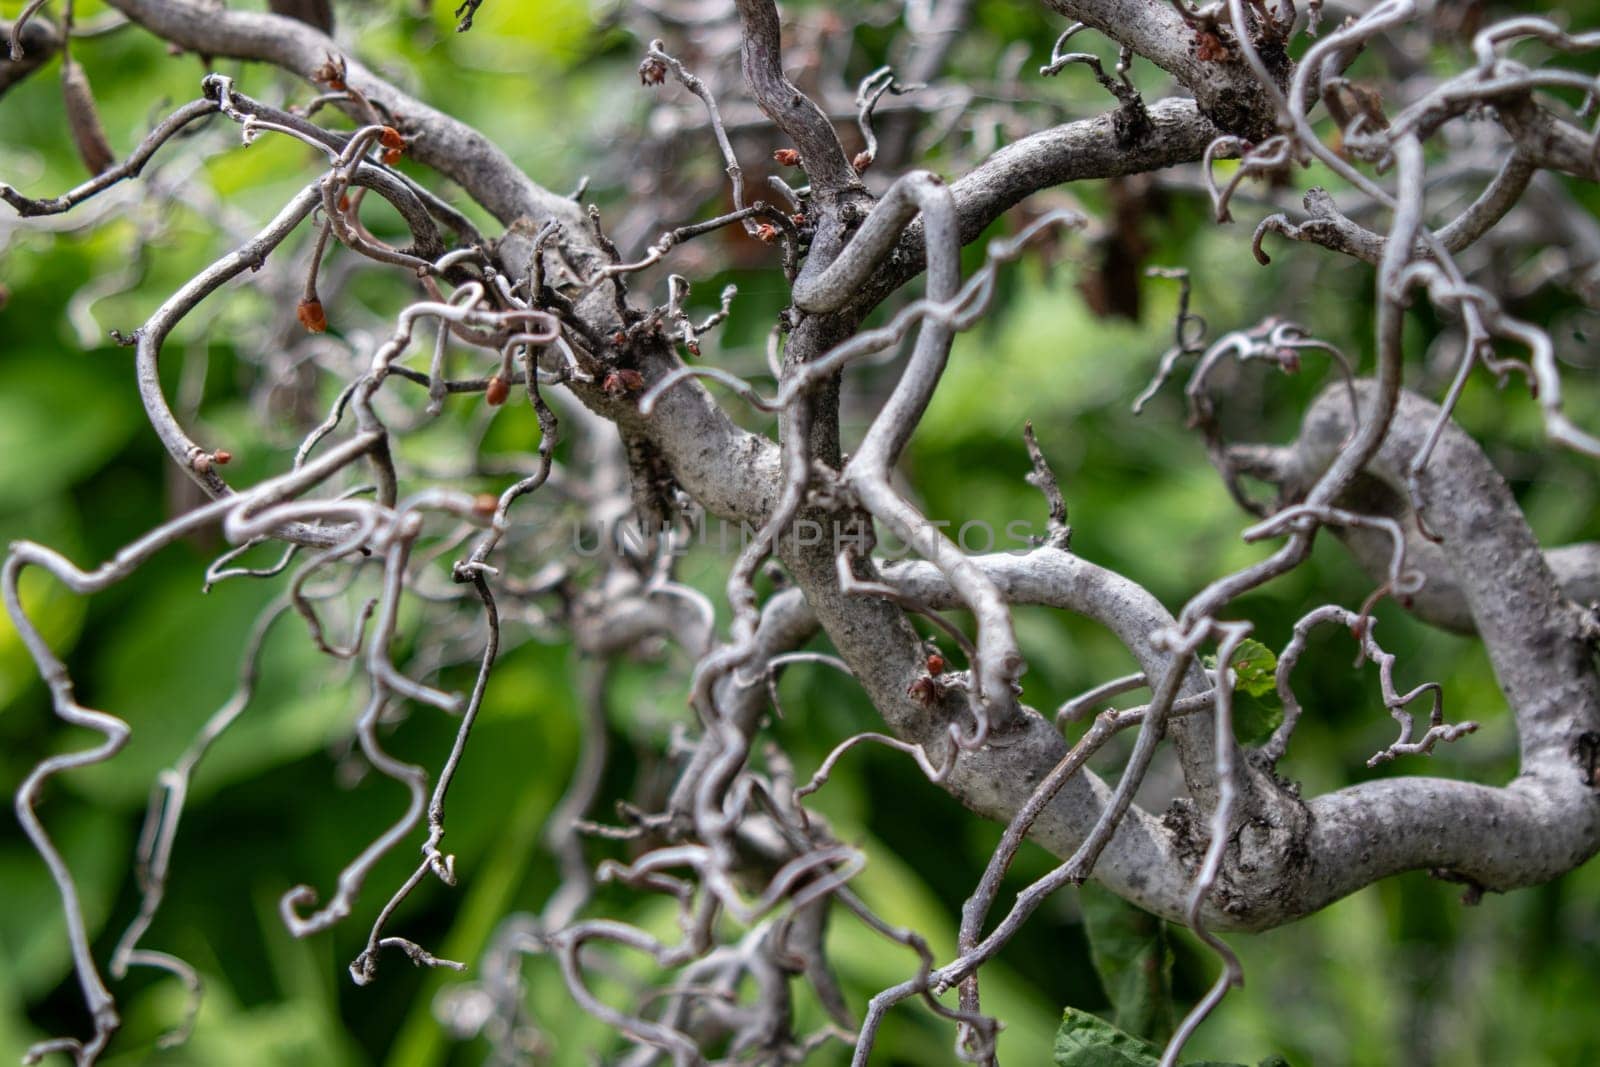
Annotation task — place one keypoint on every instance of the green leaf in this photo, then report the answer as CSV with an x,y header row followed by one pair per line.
x,y
1255,718
1257,709
1134,959
1255,666
1086,1040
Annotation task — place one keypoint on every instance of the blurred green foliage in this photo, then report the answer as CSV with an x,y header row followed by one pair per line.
x,y
1400,973
1086,1040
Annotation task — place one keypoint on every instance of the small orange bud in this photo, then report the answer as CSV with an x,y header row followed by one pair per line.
x,y
311,315
767,233
390,137
344,203
497,392
221,457
787,157
486,504
392,156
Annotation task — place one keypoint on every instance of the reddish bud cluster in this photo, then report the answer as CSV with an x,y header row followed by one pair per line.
x,y
330,72
767,233
394,145
619,382
1209,47
787,157
862,161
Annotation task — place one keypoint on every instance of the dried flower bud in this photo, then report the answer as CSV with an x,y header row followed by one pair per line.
x,y
862,161
1368,101
619,382
652,71
787,157
311,315
497,392
330,72
390,137
1209,47
767,233
222,457
924,691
